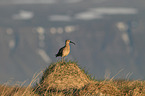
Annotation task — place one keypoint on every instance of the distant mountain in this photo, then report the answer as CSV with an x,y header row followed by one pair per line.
x,y
109,37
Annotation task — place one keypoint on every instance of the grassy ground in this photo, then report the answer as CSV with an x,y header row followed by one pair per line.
x,y
68,79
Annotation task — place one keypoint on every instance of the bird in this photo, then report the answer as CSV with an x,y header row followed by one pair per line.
x,y
64,51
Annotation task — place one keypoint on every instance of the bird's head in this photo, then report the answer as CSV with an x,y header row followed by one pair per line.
x,y
68,41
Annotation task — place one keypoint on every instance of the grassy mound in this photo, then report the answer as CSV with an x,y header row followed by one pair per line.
x,y
68,79
63,76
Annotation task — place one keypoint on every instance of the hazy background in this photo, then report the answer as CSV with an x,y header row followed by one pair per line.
x,y
109,36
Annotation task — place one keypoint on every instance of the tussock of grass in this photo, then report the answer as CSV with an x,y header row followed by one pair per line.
x,y
68,79
62,76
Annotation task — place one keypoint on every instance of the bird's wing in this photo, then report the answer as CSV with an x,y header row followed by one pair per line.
x,y
60,52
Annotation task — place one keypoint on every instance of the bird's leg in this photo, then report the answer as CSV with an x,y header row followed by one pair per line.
x,y
62,59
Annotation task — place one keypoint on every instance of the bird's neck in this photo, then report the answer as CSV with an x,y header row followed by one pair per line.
x,y
67,44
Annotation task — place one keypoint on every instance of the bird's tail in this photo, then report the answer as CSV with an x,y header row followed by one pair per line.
x,y
56,55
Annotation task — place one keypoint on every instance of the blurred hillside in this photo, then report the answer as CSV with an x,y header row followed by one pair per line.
x,y
109,36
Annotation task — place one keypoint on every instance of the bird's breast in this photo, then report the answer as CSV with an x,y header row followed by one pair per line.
x,y
66,51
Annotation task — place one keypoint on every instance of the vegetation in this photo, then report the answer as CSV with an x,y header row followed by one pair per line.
x,y
68,79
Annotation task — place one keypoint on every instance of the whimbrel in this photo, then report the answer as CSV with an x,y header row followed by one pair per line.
x,y
64,51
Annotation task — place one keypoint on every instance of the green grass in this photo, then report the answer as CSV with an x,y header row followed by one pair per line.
x,y
69,79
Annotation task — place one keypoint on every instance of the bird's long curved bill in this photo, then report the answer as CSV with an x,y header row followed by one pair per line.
x,y
72,42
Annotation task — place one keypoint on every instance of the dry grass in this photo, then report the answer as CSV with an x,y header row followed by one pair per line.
x,y
68,79
115,88
16,91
